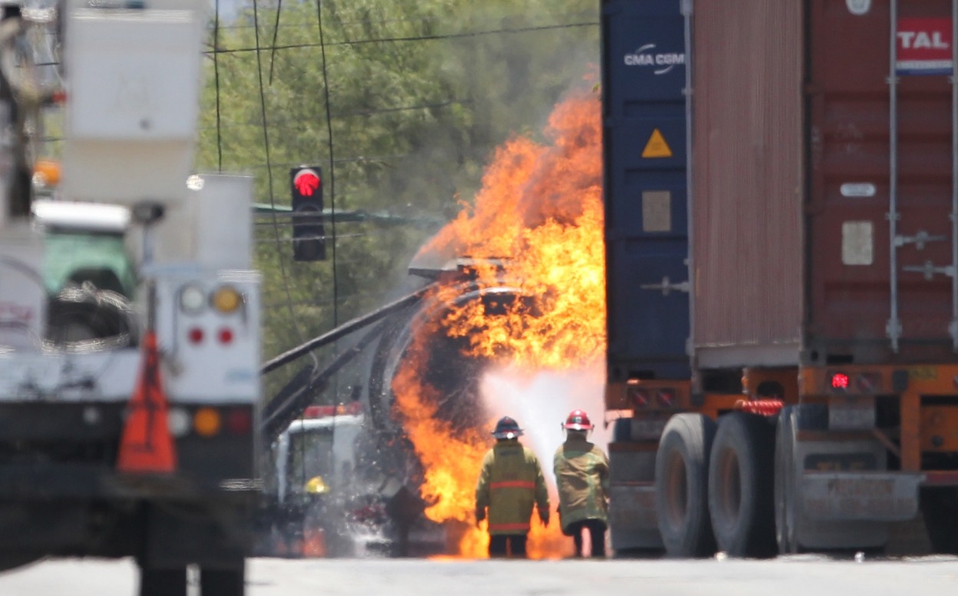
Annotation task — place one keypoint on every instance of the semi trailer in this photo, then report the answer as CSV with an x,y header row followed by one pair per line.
x,y
781,195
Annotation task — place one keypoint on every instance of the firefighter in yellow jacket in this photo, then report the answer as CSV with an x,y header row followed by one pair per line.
x,y
582,475
510,483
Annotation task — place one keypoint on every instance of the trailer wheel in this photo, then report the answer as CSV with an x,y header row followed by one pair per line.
x,y
939,507
681,486
222,582
162,582
741,469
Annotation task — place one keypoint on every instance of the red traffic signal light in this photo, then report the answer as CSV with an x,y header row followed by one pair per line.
x,y
309,238
306,181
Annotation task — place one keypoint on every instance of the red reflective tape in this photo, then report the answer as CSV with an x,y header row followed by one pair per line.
x,y
508,527
762,407
513,484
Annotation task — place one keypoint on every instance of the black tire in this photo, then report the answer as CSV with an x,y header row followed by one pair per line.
x,y
681,486
223,582
741,472
163,582
939,507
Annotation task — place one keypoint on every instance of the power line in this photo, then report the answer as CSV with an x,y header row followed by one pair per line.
x,y
293,164
269,176
356,217
424,106
269,305
579,14
332,160
272,54
290,238
370,112
413,38
216,76
344,23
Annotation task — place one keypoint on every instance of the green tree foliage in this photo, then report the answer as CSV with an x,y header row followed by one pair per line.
x,y
420,93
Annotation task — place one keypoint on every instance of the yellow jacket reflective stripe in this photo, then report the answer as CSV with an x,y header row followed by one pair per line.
x,y
512,484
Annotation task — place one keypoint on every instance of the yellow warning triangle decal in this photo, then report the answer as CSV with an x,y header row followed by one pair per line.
x,y
657,147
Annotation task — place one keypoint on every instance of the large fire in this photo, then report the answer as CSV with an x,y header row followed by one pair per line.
x,y
540,212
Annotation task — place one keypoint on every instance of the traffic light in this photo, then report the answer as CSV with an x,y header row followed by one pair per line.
x,y
309,239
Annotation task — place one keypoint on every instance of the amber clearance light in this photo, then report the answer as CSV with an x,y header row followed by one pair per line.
x,y
206,422
46,173
226,299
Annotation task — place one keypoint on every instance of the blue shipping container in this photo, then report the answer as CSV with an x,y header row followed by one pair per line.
x,y
646,213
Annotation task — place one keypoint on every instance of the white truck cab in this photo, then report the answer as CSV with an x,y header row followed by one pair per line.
x,y
321,444
318,491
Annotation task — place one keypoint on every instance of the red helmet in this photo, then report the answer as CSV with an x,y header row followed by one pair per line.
x,y
578,420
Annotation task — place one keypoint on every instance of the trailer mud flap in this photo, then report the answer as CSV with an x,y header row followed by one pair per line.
x,y
860,496
632,517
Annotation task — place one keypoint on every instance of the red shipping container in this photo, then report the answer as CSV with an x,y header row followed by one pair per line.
x,y
792,183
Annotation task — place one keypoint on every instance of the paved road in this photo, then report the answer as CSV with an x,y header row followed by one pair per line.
x,y
798,576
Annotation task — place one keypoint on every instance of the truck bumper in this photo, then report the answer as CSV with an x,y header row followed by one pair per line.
x,y
61,494
860,496
69,451
84,481
633,520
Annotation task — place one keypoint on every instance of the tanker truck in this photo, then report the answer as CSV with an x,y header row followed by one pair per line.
x,y
781,195
129,313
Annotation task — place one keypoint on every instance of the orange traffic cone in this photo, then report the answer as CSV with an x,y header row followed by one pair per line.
x,y
146,445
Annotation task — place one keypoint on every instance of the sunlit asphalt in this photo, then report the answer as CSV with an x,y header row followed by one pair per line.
x,y
800,576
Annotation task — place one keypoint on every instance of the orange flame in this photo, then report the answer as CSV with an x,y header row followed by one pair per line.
x,y
540,208
540,211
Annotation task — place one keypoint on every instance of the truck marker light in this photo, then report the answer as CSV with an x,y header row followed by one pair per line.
x,y
196,335
353,408
91,415
665,397
46,174
239,421
319,411
839,381
192,299
640,398
178,421
226,299
868,382
226,336
206,422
